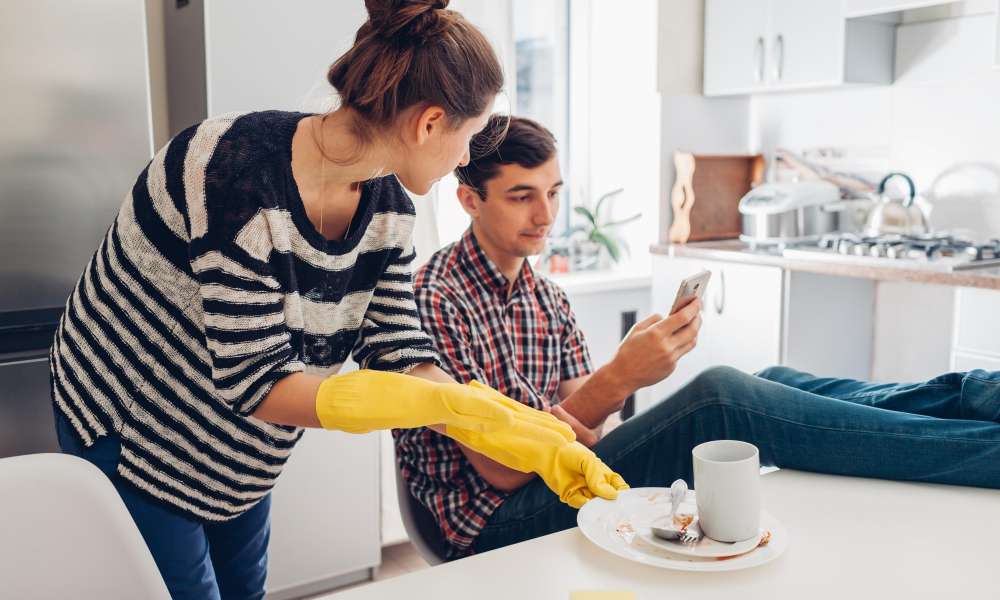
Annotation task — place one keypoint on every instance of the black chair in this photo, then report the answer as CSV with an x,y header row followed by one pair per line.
x,y
420,524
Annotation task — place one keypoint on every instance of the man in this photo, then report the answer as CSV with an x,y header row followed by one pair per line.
x,y
495,320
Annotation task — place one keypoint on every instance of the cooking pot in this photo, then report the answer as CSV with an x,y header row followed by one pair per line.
x,y
789,212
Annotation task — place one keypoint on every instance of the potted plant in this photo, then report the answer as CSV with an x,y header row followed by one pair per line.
x,y
596,237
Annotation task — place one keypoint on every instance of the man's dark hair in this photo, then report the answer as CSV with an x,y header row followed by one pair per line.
x,y
505,141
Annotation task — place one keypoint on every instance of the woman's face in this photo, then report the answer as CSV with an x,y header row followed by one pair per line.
x,y
435,147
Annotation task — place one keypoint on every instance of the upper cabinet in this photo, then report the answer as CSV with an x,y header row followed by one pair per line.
x,y
754,46
735,42
805,43
996,56
867,8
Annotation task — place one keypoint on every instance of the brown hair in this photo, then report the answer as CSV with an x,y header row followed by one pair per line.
x,y
411,52
505,141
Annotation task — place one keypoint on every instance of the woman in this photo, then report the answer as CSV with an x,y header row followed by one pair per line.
x,y
253,255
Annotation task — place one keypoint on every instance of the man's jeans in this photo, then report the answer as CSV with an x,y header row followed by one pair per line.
x,y
946,430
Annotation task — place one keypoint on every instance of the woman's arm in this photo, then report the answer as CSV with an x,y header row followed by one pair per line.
x,y
502,478
292,401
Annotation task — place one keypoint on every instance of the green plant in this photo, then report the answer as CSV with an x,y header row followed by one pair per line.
x,y
597,230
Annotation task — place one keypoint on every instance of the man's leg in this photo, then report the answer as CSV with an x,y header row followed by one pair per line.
x,y
939,397
239,552
974,395
791,427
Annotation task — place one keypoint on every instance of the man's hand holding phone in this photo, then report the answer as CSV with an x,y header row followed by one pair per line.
x,y
651,350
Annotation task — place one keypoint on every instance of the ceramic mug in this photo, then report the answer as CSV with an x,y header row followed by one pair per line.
x,y
727,489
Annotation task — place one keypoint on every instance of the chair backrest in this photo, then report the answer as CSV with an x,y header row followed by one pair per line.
x,y
420,524
65,533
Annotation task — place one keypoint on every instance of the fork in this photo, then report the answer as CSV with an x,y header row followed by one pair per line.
x,y
692,534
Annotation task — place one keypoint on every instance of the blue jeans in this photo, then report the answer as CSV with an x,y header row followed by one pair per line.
x,y
198,560
946,430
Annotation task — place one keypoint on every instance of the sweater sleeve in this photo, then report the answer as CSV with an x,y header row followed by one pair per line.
x,y
391,337
242,299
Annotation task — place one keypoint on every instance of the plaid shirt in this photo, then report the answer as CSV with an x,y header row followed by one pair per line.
x,y
523,345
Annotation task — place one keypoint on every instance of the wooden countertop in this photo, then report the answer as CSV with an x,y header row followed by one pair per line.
x,y
739,252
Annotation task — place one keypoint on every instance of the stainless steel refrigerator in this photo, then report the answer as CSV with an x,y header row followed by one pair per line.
x,y
75,131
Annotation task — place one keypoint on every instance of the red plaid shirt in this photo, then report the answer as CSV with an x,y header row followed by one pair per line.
x,y
523,345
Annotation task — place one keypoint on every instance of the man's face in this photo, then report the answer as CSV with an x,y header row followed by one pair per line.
x,y
520,206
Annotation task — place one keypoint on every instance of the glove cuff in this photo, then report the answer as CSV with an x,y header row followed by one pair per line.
x,y
337,401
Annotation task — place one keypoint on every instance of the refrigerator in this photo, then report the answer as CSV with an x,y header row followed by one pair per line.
x,y
75,131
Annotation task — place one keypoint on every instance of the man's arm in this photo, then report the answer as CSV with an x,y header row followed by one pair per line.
x,y
443,321
647,355
588,436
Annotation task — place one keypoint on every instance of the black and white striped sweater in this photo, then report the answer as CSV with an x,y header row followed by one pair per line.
x,y
210,286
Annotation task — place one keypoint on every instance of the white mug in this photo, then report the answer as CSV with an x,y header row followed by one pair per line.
x,y
727,489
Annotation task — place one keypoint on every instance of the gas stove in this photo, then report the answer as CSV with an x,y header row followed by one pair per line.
x,y
939,252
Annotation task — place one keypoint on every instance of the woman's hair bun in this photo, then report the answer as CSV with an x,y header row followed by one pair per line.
x,y
410,52
407,20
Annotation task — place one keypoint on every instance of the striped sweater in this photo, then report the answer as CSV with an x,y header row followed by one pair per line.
x,y
210,286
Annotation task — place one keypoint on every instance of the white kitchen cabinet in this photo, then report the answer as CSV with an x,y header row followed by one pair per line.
x,y
775,45
735,38
806,43
977,321
866,8
742,316
966,361
757,316
996,52
976,343
325,515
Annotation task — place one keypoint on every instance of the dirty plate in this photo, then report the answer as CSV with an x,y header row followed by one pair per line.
x,y
621,527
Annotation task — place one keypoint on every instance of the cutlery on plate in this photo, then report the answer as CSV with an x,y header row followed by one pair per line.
x,y
692,533
670,531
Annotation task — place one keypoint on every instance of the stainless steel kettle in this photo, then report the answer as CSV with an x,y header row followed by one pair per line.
x,y
906,216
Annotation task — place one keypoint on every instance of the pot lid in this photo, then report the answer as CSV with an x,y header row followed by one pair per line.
x,y
773,198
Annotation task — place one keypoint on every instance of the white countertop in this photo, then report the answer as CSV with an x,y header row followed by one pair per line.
x,y
588,282
849,538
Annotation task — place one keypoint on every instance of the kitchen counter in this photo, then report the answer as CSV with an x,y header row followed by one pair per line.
x,y
588,282
739,252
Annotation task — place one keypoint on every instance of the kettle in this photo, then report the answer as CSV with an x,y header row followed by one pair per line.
x,y
908,216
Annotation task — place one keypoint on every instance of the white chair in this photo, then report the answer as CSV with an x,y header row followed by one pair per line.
x,y
420,525
65,533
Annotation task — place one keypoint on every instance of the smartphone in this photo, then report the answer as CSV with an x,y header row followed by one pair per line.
x,y
692,287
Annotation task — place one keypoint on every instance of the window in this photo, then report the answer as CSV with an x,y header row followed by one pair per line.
x,y
533,40
541,54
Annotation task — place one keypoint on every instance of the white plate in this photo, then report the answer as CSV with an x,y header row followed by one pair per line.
x,y
706,547
616,526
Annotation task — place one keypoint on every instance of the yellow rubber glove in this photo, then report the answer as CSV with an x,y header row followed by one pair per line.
x,y
366,400
569,468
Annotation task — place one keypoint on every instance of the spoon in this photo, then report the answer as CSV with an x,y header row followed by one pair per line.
x,y
669,531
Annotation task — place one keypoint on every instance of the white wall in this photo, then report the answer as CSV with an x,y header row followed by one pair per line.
x,y
690,122
622,116
939,116
260,56
495,20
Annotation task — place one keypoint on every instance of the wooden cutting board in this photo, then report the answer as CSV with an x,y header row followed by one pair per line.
x,y
706,194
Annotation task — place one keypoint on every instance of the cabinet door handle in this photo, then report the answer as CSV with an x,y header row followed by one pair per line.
x,y
719,301
758,54
779,59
